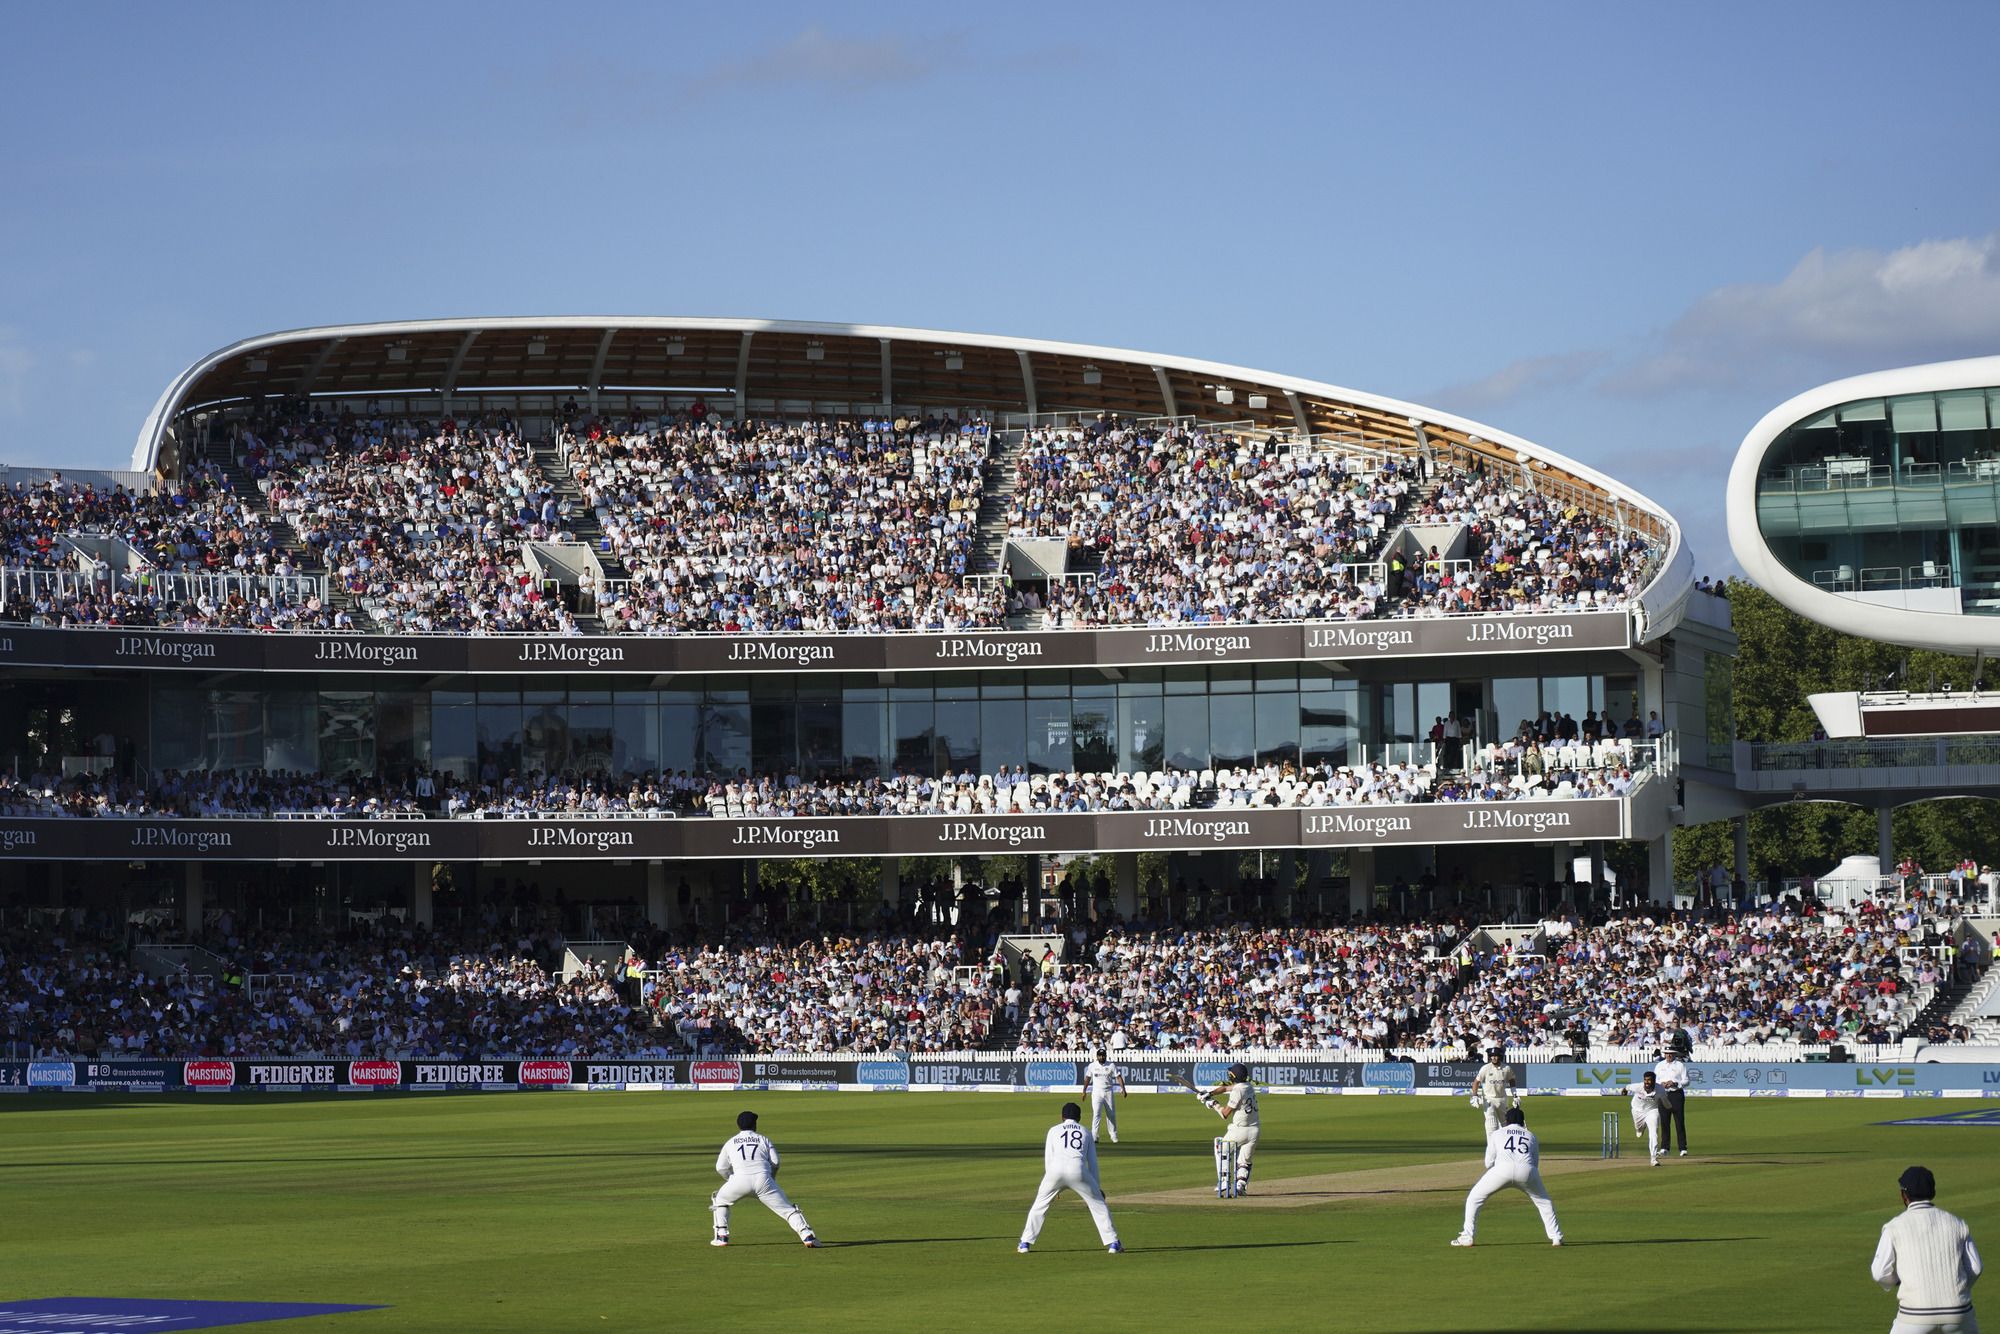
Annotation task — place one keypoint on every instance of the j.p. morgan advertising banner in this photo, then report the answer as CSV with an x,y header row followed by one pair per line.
x,y
1158,1072
1310,641
137,839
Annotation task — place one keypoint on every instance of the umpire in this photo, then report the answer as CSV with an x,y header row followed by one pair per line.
x,y
1926,1257
1671,1074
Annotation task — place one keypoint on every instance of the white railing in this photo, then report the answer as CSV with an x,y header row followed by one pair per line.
x,y
18,583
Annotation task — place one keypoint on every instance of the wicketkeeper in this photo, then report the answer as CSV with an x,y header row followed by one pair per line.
x,y
1235,1101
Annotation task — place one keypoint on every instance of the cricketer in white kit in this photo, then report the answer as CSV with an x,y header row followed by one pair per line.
x,y
1646,1099
1513,1158
1926,1257
750,1162
1495,1089
1235,1101
1069,1162
1098,1077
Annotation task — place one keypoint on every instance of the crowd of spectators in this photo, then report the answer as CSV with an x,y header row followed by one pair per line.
x,y
422,524
810,994
1325,988
1188,525
766,527
1781,974
260,793
197,526
388,991
1524,551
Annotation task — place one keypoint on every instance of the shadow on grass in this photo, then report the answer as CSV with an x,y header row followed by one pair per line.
x,y
1247,1246
1657,1241
909,1241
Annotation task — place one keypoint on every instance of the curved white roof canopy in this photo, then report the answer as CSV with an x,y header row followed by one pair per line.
x,y
1949,632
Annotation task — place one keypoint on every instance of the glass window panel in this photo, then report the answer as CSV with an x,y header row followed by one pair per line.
x,y
864,729
1516,700
1329,727
1433,705
680,728
1918,412
346,733
722,737
235,730
402,731
1873,410
1186,681
1142,733
1962,410
1277,728
773,735
544,737
591,745
454,738
958,735
1094,735
1566,694
913,722
1229,680
1003,734
635,738
1232,730
1187,731
1049,746
1276,676
819,732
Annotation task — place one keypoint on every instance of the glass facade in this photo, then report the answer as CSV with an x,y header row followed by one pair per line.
x,y
1047,721
1891,500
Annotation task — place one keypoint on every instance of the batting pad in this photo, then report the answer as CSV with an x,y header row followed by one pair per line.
x,y
138,1315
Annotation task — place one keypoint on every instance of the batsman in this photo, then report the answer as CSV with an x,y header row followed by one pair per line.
x,y
1234,1099
1495,1090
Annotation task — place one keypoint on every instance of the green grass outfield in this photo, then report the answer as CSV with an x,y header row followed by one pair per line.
x,y
587,1212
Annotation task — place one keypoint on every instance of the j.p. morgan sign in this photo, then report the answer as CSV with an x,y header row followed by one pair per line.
x,y
643,655
111,839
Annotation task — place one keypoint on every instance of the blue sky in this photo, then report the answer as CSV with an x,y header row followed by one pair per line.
x,y
1621,231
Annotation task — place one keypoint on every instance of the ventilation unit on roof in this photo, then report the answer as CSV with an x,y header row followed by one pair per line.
x,y
537,348
676,346
954,361
815,352
1092,375
1258,402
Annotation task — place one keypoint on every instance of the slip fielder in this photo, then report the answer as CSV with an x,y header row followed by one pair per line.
x,y
1098,1077
1235,1101
1495,1089
750,1162
1646,1100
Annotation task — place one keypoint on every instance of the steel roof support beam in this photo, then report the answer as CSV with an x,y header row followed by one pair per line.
x,y
1028,380
457,362
311,377
1299,413
888,379
597,366
1166,391
743,375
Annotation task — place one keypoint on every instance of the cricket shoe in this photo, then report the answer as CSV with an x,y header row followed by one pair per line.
x,y
1022,1249
1461,1241
1116,1248
810,1242
719,1241
1557,1242
1684,1153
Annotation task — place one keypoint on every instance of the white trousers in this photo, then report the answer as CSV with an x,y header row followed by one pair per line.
x,y
1105,1104
1495,1115
1054,1184
1648,1124
1501,1178
1245,1138
765,1188
1936,1324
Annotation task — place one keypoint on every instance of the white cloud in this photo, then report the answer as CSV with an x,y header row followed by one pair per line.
x,y
815,58
1518,379
1835,312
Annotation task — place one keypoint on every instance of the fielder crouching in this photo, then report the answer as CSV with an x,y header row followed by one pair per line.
x,y
1235,1101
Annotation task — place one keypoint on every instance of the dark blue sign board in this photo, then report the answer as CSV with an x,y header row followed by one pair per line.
x,y
127,1314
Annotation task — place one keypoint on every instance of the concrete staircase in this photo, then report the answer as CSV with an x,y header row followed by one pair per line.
x,y
583,522
996,498
302,556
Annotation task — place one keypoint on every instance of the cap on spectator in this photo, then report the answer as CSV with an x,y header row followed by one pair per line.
x,y
1918,1183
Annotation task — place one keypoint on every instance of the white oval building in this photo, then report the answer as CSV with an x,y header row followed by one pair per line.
x,y
1872,505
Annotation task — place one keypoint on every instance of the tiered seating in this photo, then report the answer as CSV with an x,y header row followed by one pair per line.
x,y
1524,552
764,527
1189,525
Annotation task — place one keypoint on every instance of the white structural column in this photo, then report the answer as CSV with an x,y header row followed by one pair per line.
x,y
1885,841
1660,870
659,910
192,901
1127,900
421,908
1360,880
